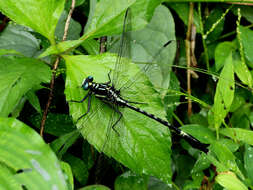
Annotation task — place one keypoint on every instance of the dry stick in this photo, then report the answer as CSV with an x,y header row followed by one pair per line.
x,y
44,117
188,56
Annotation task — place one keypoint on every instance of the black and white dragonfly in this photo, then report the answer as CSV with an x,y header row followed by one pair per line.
x,y
110,92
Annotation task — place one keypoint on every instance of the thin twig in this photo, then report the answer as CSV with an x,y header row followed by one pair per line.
x,y
188,55
56,63
103,44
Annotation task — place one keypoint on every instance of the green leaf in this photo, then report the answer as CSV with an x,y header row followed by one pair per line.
x,y
67,170
91,46
7,181
247,41
230,181
107,20
246,12
248,162
16,37
130,180
156,184
56,124
242,71
36,165
147,46
222,52
225,156
41,15
137,132
148,43
9,52
202,133
224,93
79,168
201,164
33,100
74,30
95,187
243,135
17,77
60,47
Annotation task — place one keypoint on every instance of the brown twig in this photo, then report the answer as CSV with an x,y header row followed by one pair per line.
x,y
103,44
188,55
55,66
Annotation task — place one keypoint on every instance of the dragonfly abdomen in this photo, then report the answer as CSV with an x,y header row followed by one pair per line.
x,y
190,139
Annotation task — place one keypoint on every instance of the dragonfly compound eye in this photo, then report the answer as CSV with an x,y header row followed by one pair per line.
x,y
85,85
90,78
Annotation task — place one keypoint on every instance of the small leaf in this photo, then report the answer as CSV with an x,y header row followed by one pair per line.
x,y
242,71
38,164
230,181
222,52
248,162
247,41
224,93
17,77
33,100
79,168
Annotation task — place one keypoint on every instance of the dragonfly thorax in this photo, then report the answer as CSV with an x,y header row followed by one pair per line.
x,y
87,82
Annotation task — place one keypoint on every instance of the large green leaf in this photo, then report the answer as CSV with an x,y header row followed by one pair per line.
x,y
147,44
143,145
34,164
16,37
41,15
17,77
107,20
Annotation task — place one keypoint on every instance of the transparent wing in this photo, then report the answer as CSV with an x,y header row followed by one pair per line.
x,y
149,68
124,49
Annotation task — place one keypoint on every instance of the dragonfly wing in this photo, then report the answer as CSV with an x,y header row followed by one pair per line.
x,y
123,50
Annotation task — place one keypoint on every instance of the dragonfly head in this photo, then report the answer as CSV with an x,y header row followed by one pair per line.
x,y
87,82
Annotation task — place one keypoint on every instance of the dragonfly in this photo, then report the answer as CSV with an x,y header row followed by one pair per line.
x,y
111,94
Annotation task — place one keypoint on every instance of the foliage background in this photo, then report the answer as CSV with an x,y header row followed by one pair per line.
x,y
32,54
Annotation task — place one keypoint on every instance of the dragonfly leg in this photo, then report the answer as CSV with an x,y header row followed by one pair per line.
x,y
136,102
114,125
88,110
85,97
